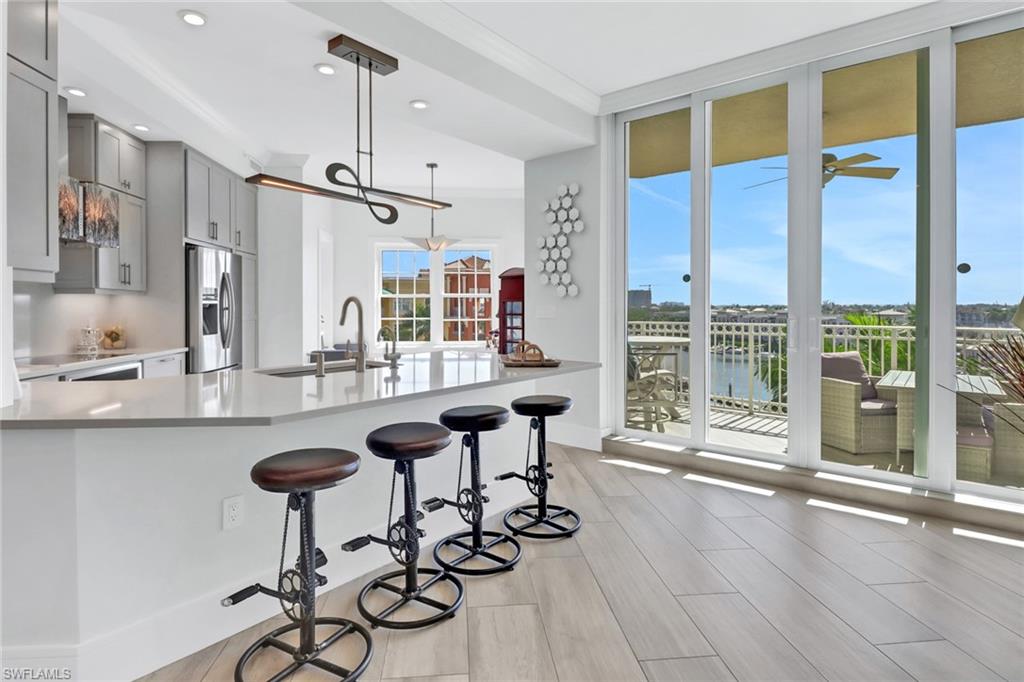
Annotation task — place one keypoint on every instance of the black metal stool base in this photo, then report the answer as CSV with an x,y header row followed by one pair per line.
x,y
381,582
464,542
345,628
550,520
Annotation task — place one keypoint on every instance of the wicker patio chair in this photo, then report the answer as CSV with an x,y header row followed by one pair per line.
x,y
854,418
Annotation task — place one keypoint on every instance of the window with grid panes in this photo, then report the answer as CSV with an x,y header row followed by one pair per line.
x,y
466,297
405,293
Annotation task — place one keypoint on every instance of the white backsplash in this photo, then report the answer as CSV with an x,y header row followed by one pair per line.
x,y
47,323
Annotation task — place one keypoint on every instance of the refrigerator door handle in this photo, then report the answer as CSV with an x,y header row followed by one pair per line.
x,y
230,310
224,309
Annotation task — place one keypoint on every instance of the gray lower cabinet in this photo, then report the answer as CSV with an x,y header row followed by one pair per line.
x,y
32,34
244,215
208,194
103,153
32,142
85,268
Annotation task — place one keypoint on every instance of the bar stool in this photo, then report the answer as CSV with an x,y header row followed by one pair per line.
x,y
405,443
300,473
470,501
541,515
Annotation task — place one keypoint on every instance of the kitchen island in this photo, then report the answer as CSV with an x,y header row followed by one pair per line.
x,y
114,555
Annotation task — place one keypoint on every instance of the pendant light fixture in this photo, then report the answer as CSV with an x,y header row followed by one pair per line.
x,y
433,242
374,61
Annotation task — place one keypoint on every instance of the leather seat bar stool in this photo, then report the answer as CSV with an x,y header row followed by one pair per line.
x,y
405,443
541,521
299,474
470,501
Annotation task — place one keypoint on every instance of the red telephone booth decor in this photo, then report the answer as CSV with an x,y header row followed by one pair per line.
x,y
510,310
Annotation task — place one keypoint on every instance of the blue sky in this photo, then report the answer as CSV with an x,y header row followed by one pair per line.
x,y
868,227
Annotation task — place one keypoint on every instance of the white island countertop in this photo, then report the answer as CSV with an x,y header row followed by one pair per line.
x,y
255,398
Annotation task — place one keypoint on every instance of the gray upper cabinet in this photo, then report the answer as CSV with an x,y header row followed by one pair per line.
x,y
32,34
198,224
132,251
32,149
245,217
86,268
207,200
100,152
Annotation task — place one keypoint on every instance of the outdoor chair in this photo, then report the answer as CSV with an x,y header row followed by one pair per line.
x,y
854,417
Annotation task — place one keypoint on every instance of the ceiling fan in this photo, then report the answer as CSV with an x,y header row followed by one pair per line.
x,y
832,166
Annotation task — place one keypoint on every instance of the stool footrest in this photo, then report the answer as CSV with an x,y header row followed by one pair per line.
x,y
247,592
433,504
356,543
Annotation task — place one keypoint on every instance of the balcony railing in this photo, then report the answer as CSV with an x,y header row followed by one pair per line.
x,y
748,359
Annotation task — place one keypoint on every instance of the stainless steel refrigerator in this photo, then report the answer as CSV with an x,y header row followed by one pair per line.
x,y
213,312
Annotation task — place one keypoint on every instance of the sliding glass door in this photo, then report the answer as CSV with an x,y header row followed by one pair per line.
x,y
989,355
747,275
825,265
657,362
874,262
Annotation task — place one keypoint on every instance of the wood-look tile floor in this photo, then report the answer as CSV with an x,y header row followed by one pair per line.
x,y
675,577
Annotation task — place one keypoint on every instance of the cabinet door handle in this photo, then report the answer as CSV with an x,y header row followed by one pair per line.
x,y
129,266
209,233
238,238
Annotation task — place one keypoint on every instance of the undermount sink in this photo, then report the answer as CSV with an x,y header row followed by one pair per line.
x,y
329,368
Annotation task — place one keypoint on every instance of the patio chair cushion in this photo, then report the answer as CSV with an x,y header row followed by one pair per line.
x,y
877,407
848,366
973,437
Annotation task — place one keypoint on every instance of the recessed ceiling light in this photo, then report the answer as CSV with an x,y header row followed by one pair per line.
x,y
419,104
141,128
192,17
77,92
325,69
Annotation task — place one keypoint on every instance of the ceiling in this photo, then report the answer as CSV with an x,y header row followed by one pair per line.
x,y
607,46
507,81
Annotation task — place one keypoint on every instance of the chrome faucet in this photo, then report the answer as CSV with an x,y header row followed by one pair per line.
x,y
387,334
318,356
360,341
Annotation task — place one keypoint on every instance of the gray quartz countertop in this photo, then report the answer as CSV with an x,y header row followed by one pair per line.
x,y
253,397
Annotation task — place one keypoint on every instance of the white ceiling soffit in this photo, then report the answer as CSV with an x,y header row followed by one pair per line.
x,y
404,35
611,45
921,18
243,86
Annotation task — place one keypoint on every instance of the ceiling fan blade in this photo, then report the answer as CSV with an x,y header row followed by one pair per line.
x,y
853,160
879,172
766,182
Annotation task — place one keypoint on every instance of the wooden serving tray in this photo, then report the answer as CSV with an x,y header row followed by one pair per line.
x,y
509,361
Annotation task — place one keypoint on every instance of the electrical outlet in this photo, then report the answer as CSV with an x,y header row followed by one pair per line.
x,y
233,512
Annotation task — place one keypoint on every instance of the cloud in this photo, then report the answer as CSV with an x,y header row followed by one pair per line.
x,y
641,188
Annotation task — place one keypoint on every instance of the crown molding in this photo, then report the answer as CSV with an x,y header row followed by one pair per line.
x,y
448,20
910,22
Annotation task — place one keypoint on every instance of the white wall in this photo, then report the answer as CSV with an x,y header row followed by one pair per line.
x,y
280,266
494,222
572,328
7,374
